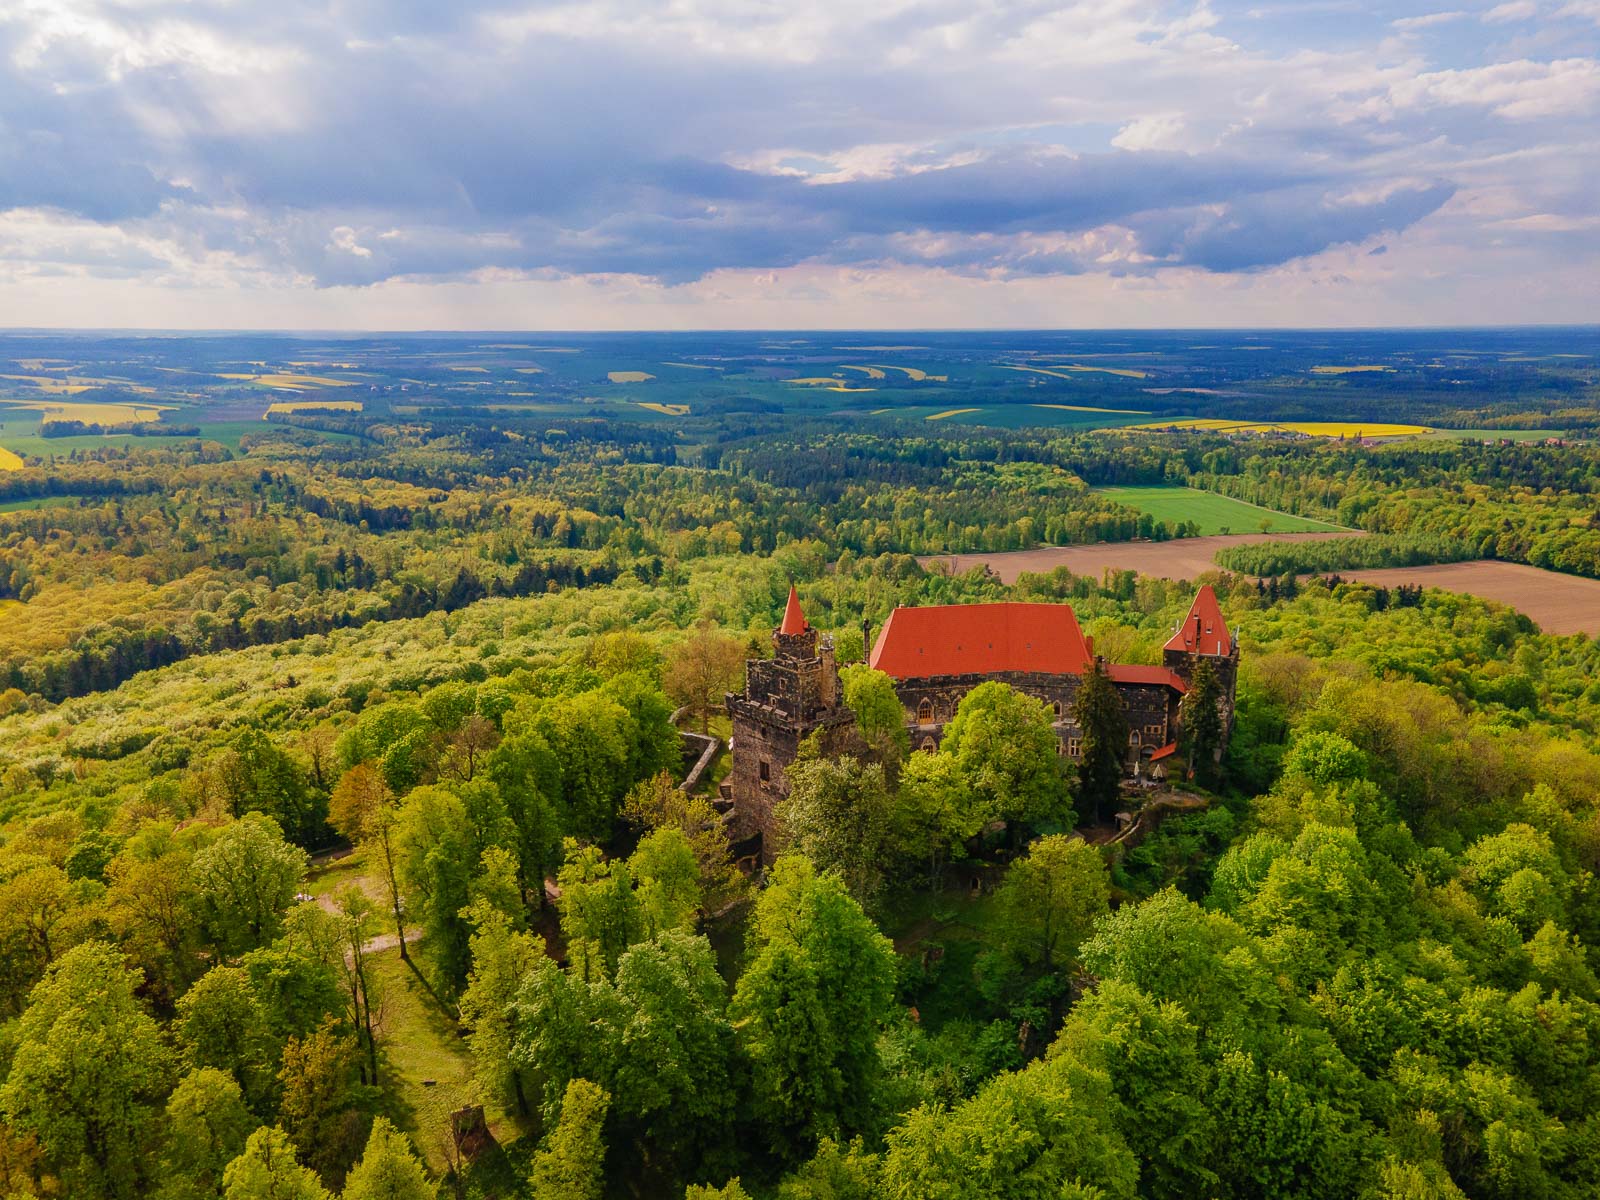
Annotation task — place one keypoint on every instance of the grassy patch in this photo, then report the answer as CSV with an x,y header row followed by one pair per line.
x,y
36,502
426,1069
1213,513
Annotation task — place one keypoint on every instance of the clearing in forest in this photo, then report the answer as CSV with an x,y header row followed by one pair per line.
x,y
1214,514
629,376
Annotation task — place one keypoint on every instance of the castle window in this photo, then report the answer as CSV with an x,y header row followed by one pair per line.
x,y
766,771
925,711
1055,707
1074,747
927,744
1154,732
1133,738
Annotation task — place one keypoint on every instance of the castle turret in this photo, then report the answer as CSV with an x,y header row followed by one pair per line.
x,y
1203,634
785,700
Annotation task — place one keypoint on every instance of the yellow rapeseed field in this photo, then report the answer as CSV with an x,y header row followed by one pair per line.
x,y
1329,429
289,381
916,374
628,376
667,410
949,412
9,461
292,406
1346,370
89,413
872,372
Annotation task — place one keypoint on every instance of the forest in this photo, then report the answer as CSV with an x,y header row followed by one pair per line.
x,y
344,852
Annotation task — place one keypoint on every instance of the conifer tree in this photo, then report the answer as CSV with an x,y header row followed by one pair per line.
x,y
1104,732
1201,719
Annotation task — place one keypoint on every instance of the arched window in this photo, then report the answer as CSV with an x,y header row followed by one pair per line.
x,y
927,744
1055,707
925,710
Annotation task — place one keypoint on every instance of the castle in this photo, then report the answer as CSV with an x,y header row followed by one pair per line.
x,y
935,656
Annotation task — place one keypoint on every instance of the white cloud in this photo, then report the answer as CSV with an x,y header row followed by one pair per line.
x,y
1515,10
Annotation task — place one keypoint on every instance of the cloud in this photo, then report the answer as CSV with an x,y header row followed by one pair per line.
x,y
291,144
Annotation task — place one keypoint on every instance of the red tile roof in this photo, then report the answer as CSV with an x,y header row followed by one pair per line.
x,y
794,621
980,639
1203,631
1166,751
1131,673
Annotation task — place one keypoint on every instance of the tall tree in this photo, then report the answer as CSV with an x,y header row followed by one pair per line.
x,y
1008,754
356,922
1103,734
257,776
321,1109
880,717
221,1025
571,1166
934,811
363,810
1200,718
88,1074
838,815
673,1082
703,669
388,1169
668,878
245,880
600,912
502,958
269,1170
1050,900
207,1123
809,1007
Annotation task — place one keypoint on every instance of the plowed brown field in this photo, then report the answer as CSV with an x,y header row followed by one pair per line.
x,y
1559,603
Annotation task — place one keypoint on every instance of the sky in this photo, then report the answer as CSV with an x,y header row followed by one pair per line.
x,y
684,164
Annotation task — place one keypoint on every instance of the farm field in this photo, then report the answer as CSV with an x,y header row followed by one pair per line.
x,y
1561,604
1213,513
1327,429
293,406
9,461
1181,558
35,502
1018,416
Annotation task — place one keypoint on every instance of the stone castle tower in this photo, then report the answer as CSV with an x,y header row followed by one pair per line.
x,y
786,699
1204,634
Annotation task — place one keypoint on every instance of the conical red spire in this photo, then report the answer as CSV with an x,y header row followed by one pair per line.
x,y
794,621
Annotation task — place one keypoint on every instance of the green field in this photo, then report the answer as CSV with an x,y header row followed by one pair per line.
x,y
1213,513
1500,435
35,502
1005,416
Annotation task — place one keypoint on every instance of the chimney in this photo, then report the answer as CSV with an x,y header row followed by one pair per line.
x,y
866,640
